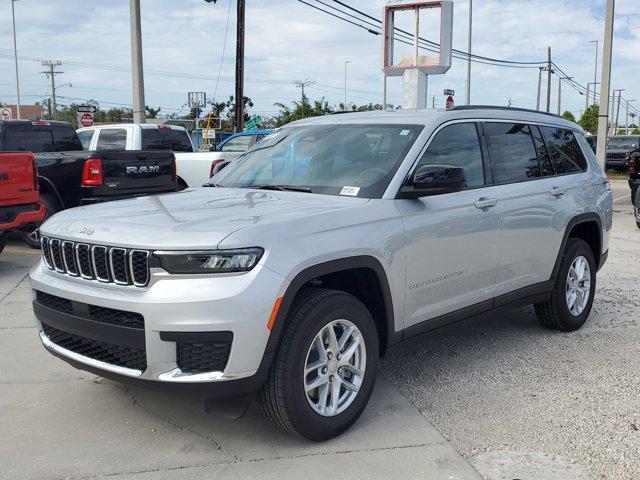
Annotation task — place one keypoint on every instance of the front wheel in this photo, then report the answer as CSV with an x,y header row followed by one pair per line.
x,y
324,370
574,289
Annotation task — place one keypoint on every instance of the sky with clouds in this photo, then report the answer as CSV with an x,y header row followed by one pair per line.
x,y
287,40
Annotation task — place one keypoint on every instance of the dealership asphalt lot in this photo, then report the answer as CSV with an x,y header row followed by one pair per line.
x,y
508,400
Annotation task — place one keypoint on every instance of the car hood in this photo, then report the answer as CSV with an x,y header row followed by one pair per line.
x,y
193,218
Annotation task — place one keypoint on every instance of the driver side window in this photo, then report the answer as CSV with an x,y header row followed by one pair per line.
x,y
457,145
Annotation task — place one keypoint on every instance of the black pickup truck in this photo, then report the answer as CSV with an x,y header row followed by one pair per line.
x,y
70,177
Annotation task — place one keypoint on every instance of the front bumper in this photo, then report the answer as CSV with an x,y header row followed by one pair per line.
x,y
191,308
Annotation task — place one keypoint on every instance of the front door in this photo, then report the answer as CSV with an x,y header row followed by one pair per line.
x,y
452,240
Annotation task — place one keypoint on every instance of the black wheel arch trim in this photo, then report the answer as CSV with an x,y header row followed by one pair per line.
x,y
577,220
45,181
335,266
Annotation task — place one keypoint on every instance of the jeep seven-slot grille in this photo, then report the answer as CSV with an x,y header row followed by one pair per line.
x,y
121,266
105,352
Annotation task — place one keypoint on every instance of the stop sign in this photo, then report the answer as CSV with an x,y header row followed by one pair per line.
x,y
86,120
449,102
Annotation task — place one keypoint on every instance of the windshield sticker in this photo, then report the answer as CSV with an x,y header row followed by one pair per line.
x,y
350,191
405,132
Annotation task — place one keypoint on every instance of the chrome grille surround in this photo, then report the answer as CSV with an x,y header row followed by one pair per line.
x,y
116,265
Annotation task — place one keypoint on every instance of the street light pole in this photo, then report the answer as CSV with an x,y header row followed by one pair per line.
x,y
595,71
139,115
15,58
468,86
345,83
605,82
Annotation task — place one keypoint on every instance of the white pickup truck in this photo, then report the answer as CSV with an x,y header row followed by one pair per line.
x,y
194,168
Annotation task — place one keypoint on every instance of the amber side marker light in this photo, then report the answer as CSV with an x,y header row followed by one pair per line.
x,y
274,313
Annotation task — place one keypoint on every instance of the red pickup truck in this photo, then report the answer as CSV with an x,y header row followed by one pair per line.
x,y
19,192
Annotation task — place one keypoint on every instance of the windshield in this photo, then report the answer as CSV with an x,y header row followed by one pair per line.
x,y
623,142
354,160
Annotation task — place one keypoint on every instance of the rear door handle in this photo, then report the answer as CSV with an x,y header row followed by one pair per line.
x,y
558,191
484,202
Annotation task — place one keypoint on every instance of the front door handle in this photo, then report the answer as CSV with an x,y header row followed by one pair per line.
x,y
558,191
484,202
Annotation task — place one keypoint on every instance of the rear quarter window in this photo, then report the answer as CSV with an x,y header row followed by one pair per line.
x,y
564,150
65,139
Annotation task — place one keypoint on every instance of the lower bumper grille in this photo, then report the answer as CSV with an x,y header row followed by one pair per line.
x,y
114,354
203,357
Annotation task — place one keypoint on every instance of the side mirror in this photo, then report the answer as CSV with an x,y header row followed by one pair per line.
x,y
434,180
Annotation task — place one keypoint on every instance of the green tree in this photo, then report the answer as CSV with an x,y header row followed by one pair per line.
x,y
589,119
152,112
635,131
569,116
302,108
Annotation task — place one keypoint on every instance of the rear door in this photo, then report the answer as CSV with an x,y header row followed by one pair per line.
x,y
535,203
452,240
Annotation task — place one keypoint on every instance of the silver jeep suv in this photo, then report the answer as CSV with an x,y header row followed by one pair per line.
x,y
331,241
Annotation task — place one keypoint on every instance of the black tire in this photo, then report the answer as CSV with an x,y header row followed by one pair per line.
x,y
30,232
554,313
638,224
283,398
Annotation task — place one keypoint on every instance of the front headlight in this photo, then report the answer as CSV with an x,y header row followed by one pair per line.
x,y
212,261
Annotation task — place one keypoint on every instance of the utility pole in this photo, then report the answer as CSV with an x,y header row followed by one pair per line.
x,y
586,97
345,83
560,93
605,81
595,71
139,114
468,86
240,67
15,58
51,73
540,70
549,72
626,122
301,84
433,102
617,114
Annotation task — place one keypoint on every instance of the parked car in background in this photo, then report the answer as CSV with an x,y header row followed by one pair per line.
x,y
634,174
194,168
234,146
68,176
19,193
619,148
330,242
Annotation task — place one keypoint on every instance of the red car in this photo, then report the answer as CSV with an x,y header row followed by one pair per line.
x,y
19,192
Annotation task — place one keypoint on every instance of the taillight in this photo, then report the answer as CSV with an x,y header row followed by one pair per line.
x,y
213,166
92,173
633,163
175,168
164,127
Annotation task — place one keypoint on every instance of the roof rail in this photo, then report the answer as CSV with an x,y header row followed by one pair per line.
x,y
494,107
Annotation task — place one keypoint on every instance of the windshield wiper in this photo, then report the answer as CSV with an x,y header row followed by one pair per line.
x,y
282,188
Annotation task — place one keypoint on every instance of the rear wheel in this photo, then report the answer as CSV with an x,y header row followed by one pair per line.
x,y
31,232
572,296
325,368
